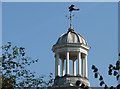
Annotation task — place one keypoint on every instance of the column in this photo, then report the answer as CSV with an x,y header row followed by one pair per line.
x,y
67,63
63,70
55,66
86,71
83,67
79,63
74,67
57,69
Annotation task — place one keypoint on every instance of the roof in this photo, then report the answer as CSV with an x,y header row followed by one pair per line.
x,y
71,37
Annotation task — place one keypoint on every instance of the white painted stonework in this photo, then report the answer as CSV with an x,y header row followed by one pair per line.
x,y
71,46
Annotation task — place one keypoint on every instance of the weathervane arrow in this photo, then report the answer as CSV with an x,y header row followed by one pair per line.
x,y
71,8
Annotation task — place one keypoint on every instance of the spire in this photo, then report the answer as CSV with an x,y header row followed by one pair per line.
x,y
71,8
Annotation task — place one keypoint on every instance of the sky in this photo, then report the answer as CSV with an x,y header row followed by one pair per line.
x,y
37,26
60,0
119,32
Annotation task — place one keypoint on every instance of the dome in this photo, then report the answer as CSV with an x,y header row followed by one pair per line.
x,y
71,37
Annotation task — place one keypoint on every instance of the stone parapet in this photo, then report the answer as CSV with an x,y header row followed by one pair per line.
x,y
66,81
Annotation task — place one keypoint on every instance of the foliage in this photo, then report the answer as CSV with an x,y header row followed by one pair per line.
x,y
113,70
82,85
14,70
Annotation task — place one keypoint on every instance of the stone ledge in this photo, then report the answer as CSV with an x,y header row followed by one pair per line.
x,y
66,75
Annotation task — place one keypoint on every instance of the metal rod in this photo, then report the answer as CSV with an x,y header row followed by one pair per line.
x,y
70,19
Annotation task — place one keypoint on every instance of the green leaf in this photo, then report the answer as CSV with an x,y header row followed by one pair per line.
x,y
105,87
82,85
93,66
23,54
117,65
110,66
26,82
101,78
51,73
25,59
101,83
95,70
86,87
114,68
9,42
115,73
14,56
111,87
21,48
110,72
8,71
96,75
14,68
4,57
16,65
36,60
33,61
9,55
33,75
50,76
118,62
118,86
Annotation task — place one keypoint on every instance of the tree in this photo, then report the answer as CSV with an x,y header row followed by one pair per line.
x,y
14,73
113,70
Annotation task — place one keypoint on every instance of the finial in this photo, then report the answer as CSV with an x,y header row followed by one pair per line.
x,y
71,8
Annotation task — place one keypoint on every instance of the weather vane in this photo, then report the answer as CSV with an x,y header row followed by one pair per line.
x,y
71,8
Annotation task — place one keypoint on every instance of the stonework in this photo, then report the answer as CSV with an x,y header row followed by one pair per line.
x,y
67,81
68,49
71,46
